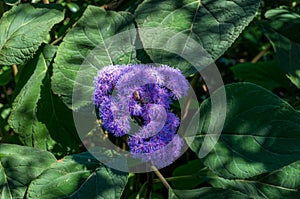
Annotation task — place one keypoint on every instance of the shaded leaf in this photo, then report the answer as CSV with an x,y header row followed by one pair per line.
x,y
256,127
23,29
93,43
78,176
189,170
282,183
58,119
266,74
19,166
5,75
23,117
282,29
206,192
211,24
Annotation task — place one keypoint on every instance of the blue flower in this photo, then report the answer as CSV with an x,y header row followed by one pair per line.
x,y
142,93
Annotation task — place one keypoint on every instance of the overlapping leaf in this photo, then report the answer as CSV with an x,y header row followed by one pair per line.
x,y
178,27
19,165
282,183
282,29
23,118
23,29
95,42
206,192
266,74
40,118
261,133
78,176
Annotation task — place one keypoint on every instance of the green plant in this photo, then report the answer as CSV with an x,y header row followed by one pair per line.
x,y
51,50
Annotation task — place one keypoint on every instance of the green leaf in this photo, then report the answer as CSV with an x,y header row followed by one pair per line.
x,y
260,134
282,29
266,74
19,166
59,122
189,170
206,192
23,29
23,117
5,75
78,176
212,24
92,44
39,117
282,183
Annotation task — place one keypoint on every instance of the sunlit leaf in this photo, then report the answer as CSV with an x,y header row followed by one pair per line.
x,y
212,24
78,176
23,29
92,44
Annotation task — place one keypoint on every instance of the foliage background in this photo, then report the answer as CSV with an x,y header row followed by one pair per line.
x,y
42,45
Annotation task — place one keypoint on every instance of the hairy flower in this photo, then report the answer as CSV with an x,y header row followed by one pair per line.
x,y
142,93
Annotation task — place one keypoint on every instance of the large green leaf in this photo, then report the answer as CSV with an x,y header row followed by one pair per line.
x,y
23,29
59,122
19,165
39,117
23,117
266,74
213,24
92,44
260,134
206,192
282,183
282,29
190,171
78,176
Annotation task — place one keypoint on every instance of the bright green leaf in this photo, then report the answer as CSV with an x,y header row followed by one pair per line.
x,y
92,44
213,24
260,134
78,176
23,29
19,165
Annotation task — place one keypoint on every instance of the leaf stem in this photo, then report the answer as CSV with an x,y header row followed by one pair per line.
x,y
177,178
161,177
149,185
112,5
188,101
15,69
260,54
141,190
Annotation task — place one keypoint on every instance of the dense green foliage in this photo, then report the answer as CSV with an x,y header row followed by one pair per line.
x,y
255,45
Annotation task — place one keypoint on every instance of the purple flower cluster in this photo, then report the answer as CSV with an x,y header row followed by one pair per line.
x,y
142,93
